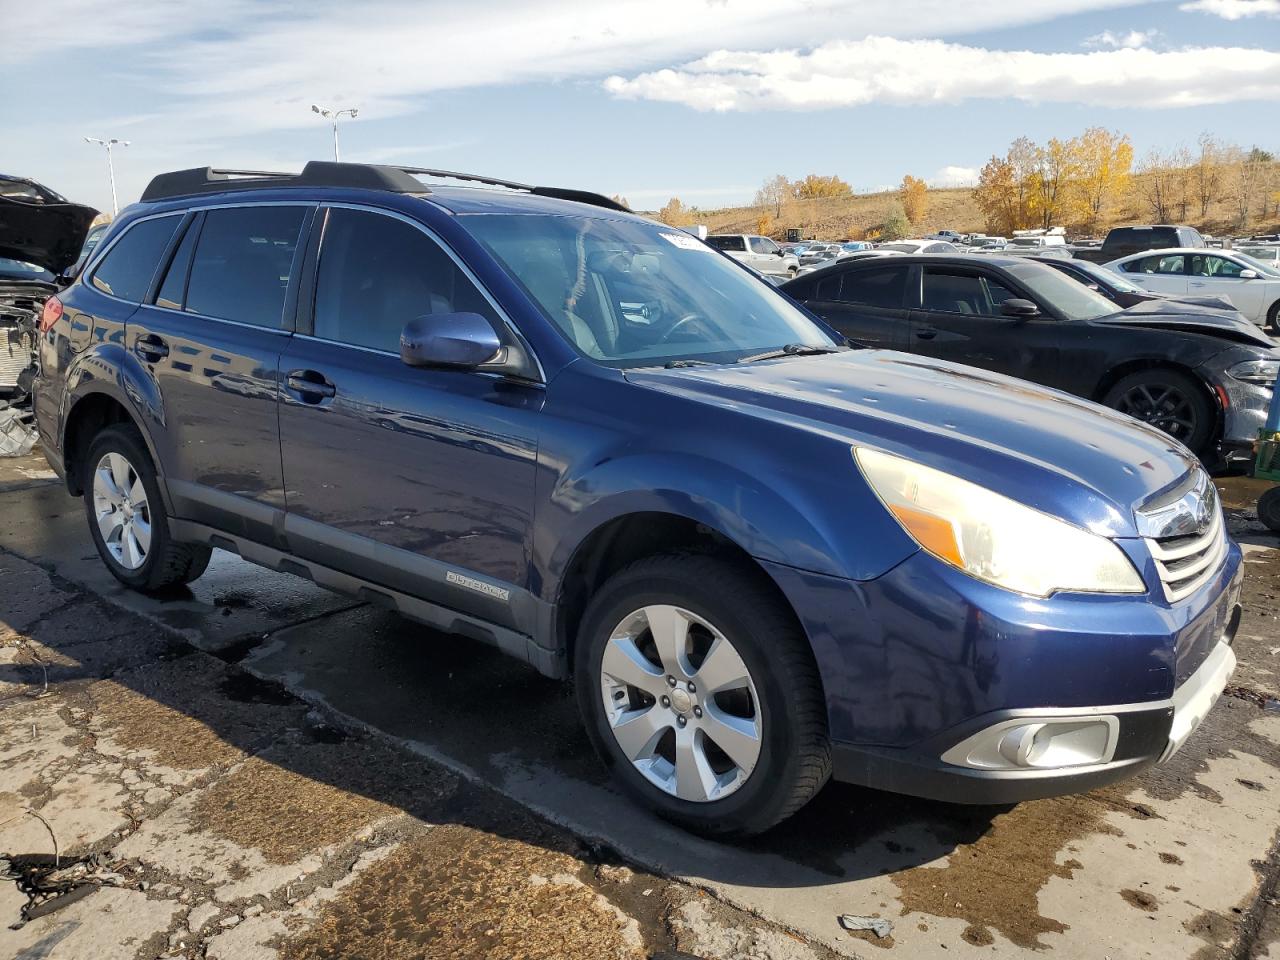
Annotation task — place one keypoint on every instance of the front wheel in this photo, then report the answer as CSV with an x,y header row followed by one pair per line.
x,y
1170,400
1273,319
699,691
1269,509
127,518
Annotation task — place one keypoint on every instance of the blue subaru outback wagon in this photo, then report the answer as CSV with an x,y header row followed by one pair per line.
x,y
525,416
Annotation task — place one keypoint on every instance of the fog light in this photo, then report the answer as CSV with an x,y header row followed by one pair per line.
x,y
1039,743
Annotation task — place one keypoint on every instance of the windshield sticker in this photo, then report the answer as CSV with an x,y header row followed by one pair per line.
x,y
684,241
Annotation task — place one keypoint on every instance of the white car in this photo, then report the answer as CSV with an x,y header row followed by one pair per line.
x,y
920,246
1252,287
759,253
1269,255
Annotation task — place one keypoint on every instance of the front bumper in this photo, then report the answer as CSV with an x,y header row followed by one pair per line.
x,y
1244,413
1144,734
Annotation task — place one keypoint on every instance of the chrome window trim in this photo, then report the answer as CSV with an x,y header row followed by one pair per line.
x,y
451,254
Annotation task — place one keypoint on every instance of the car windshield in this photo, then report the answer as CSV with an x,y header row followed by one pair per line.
x,y
20,270
631,294
1072,299
1108,278
1268,269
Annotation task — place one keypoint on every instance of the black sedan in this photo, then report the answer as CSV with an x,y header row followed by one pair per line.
x,y
1125,294
1206,377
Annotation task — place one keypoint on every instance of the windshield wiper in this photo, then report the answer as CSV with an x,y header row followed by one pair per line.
x,y
789,350
686,362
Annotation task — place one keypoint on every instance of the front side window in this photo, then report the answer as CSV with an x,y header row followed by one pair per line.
x,y
881,287
634,294
129,265
956,291
240,268
376,273
1220,268
761,245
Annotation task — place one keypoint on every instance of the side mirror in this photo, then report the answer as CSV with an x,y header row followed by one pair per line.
x,y
461,340
1019,308
1248,274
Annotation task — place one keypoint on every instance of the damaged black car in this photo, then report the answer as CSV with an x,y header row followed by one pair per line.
x,y
41,236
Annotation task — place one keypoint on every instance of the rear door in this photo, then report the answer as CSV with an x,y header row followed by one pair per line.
x,y
212,340
959,319
869,306
1159,273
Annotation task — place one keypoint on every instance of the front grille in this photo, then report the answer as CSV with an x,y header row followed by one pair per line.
x,y
1185,563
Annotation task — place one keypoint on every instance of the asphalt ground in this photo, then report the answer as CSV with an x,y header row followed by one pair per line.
x,y
252,767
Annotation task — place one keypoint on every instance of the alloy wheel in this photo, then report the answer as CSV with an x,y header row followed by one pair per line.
x,y
1162,406
681,703
121,510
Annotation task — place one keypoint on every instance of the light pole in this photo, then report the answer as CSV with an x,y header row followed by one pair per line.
x,y
332,116
111,168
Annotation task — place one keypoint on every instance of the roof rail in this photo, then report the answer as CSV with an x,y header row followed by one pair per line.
x,y
327,173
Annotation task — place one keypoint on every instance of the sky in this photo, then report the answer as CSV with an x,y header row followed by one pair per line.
x,y
700,99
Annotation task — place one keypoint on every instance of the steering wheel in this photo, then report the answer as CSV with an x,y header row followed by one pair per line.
x,y
686,319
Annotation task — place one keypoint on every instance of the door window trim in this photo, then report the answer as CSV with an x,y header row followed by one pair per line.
x,y
305,314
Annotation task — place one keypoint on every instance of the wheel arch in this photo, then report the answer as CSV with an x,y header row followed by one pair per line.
x,y
88,414
1140,364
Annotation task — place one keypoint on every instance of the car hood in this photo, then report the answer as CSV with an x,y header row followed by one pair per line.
x,y
39,226
1062,455
1191,318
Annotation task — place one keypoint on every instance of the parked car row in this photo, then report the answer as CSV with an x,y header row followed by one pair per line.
x,y
762,557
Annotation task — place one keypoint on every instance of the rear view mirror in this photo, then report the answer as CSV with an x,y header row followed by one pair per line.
x,y
1017,307
462,340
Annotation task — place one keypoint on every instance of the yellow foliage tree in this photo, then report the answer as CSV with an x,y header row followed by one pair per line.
x,y
997,196
1103,160
815,187
675,214
764,224
914,194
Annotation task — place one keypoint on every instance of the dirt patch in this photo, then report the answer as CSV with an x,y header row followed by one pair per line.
x,y
1140,900
1171,858
978,936
284,813
994,882
459,893
139,722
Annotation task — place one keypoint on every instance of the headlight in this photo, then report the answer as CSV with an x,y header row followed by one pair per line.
x,y
1256,371
993,538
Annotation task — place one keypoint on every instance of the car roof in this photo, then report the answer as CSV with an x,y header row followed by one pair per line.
x,y
1166,251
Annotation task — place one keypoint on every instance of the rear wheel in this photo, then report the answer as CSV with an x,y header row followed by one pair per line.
x,y
1172,401
1273,319
1269,509
127,518
699,691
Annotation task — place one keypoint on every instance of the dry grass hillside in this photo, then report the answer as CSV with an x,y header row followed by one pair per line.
x,y
849,218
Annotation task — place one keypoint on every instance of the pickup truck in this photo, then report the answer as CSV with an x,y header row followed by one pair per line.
x,y
1124,241
759,253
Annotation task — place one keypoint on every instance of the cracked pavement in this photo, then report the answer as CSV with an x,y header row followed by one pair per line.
x,y
253,768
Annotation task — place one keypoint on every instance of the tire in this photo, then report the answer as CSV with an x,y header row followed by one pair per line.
x,y
772,690
1273,319
117,469
1170,400
1269,509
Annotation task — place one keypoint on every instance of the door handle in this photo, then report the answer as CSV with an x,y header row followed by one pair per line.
x,y
926,333
312,386
150,348
1197,283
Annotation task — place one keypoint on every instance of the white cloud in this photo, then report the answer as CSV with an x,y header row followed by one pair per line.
x,y
1234,9
889,70
954,177
1123,41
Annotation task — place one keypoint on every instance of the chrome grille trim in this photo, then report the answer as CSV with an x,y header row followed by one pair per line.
x,y
1186,561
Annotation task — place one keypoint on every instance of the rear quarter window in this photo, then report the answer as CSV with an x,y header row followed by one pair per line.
x,y
128,267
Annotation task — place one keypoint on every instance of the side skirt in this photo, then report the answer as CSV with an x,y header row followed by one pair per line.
x,y
550,663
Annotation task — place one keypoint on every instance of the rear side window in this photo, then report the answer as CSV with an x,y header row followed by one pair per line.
x,y
129,265
729,243
882,287
174,288
377,273
1173,263
240,269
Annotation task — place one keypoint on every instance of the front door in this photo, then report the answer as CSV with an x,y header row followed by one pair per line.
x,y
959,319
418,479
212,340
1210,274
